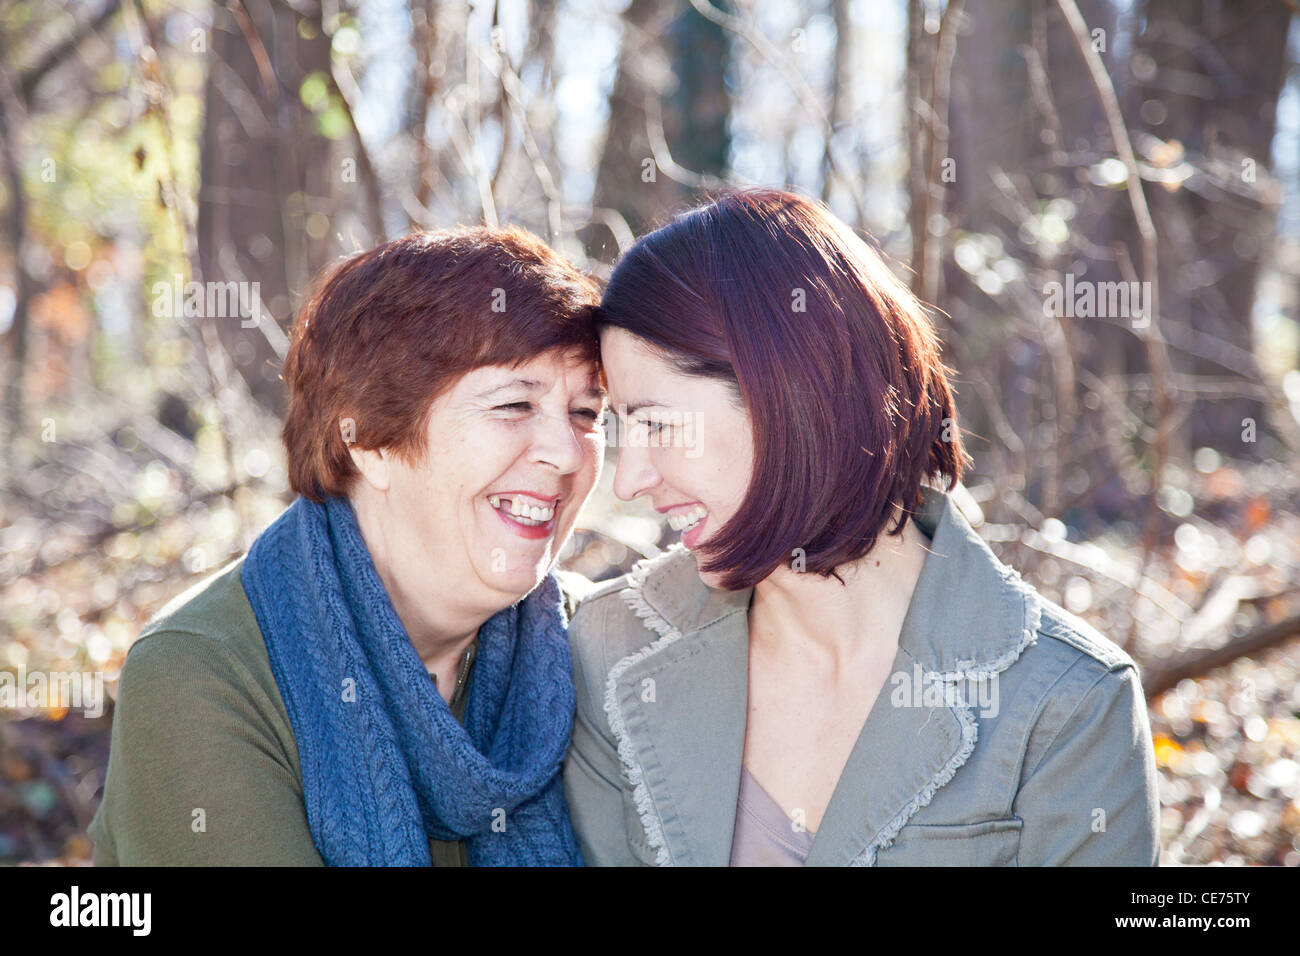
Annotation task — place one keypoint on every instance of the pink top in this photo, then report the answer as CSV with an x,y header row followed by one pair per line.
x,y
764,835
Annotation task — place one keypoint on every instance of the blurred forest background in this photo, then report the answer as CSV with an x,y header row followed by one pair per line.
x,y
1139,467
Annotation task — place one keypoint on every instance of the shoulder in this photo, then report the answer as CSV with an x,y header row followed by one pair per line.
x,y
212,617
1052,668
1068,648
202,649
197,700
1057,624
215,606
575,587
599,595
608,626
1070,677
673,569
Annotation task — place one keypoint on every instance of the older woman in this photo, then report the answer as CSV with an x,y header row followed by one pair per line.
x,y
832,667
305,705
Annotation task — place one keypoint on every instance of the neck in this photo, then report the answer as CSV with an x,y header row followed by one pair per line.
x,y
811,615
439,627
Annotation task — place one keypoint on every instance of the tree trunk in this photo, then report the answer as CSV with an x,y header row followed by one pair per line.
x,y
678,58
12,123
1205,80
265,172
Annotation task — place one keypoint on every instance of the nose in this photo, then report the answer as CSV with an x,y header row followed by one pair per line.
x,y
635,474
557,444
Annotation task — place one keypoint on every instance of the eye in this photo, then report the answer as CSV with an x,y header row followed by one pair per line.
x,y
517,406
588,413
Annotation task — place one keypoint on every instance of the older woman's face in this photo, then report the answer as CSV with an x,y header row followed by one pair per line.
x,y
684,442
512,455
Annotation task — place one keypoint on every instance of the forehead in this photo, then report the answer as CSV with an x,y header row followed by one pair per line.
x,y
542,373
631,366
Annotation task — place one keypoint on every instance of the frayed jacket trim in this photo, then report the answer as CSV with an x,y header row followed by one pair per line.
x,y
966,670
651,822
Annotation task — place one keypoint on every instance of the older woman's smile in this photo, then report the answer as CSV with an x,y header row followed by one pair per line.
x,y
527,514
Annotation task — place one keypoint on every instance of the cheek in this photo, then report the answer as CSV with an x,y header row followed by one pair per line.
x,y
718,475
595,462
418,513
593,458
488,454
425,493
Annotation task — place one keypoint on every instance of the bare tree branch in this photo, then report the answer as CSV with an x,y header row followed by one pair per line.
x,y
350,94
33,75
1161,677
928,265
1157,355
747,31
13,116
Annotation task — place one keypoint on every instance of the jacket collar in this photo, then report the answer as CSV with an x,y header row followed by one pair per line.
x,y
678,706
969,612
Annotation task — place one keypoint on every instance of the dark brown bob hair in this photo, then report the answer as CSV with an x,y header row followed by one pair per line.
x,y
835,361
388,330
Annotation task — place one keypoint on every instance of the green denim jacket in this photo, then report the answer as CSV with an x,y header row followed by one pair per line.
x,y
1009,733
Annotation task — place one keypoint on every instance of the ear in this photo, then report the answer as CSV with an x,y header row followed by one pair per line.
x,y
375,465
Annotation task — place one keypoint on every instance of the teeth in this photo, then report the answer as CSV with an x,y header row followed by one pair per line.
x,y
684,521
523,510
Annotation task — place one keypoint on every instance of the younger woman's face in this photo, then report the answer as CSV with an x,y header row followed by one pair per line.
x,y
684,440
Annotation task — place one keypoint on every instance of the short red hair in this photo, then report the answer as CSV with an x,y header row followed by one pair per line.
x,y
388,330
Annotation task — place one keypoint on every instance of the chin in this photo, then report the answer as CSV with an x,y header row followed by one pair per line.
x,y
519,583
711,580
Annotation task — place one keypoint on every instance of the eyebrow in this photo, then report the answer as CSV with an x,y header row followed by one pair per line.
x,y
532,385
644,403
528,384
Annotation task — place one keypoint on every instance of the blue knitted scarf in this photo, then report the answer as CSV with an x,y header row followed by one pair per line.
x,y
385,764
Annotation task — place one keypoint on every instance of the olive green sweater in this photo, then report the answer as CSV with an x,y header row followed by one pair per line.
x,y
203,767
